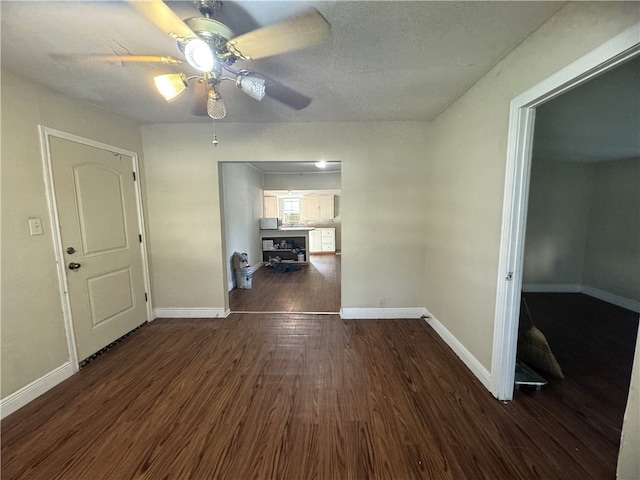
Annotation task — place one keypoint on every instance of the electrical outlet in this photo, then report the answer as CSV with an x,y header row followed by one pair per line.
x,y
381,302
35,226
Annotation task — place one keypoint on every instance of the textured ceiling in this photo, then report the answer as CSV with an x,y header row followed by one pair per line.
x,y
385,61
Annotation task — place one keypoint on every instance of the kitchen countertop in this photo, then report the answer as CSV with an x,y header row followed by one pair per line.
x,y
287,232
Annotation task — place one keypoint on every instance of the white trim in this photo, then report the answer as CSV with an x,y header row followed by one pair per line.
x,y
141,228
191,313
519,144
519,141
30,392
552,287
381,313
627,303
45,134
605,296
480,372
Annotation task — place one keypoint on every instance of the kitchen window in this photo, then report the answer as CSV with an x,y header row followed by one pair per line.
x,y
291,210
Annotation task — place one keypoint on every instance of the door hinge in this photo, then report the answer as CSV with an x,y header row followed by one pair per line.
x,y
134,176
146,298
140,238
509,276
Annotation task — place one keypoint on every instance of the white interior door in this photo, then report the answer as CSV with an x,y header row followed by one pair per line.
x,y
95,198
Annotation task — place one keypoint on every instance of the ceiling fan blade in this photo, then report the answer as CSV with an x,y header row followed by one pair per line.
x,y
119,58
300,31
284,94
158,13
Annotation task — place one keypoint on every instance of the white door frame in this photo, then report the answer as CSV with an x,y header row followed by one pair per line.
x,y
45,134
516,193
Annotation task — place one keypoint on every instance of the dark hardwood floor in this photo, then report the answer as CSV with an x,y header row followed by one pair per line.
x,y
314,288
292,396
594,343
289,396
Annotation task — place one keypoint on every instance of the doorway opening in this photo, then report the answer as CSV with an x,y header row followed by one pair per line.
x,y
521,121
581,265
294,259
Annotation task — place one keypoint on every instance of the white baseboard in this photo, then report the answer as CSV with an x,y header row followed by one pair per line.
x,y
460,350
612,298
552,287
30,392
381,313
190,313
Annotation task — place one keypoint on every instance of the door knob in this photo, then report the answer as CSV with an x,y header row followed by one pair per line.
x,y
74,266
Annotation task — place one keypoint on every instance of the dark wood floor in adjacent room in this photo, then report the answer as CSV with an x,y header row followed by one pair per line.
x,y
594,343
313,288
289,396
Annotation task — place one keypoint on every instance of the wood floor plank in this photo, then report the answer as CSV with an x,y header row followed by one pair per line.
x,y
314,288
293,396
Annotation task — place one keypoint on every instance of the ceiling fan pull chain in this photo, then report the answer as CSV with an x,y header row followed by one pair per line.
x,y
215,137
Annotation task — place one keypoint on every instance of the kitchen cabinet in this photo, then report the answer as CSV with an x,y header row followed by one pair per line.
x,y
315,241
328,239
318,207
326,207
322,240
270,207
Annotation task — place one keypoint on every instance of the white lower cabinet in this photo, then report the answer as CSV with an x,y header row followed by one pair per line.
x,y
315,241
322,240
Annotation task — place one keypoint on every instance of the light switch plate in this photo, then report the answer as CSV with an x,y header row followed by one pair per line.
x,y
35,226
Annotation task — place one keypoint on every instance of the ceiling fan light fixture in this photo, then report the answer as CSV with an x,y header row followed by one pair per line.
x,y
170,85
251,85
215,105
199,55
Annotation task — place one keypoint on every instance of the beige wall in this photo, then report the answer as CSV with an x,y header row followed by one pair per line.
x,y
583,226
612,257
312,181
381,204
184,216
33,334
557,222
242,194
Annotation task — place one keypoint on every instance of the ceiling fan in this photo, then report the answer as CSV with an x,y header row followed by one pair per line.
x,y
211,48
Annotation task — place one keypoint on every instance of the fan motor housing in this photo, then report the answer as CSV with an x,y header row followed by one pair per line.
x,y
214,33
211,31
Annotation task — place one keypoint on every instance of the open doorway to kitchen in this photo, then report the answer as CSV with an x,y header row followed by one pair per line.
x,y
293,260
